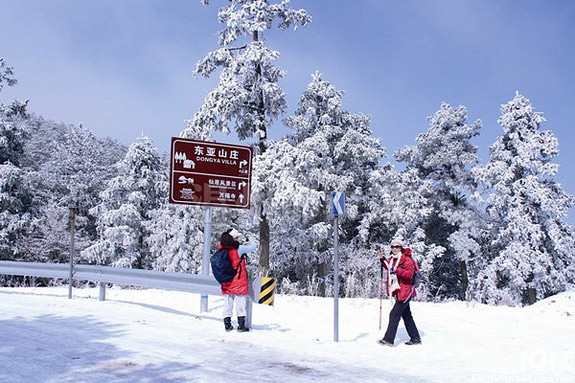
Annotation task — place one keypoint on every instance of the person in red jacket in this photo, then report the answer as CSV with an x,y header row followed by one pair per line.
x,y
400,270
237,289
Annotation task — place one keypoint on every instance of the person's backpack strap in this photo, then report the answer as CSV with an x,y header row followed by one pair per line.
x,y
415,273
239,268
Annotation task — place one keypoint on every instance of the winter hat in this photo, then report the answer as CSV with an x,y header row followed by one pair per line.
x,y
397,242
234,233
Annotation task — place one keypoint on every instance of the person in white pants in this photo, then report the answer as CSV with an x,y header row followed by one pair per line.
x,y
237,289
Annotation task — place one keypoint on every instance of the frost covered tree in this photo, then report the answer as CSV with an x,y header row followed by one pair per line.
x,y
15,198
329,149
444,156
71,165
248,94
6,75
12,122
124,209
15,201
532,252
175,232
176,238
398,206
83,163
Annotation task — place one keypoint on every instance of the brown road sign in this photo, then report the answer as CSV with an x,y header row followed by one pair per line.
x,y
210,173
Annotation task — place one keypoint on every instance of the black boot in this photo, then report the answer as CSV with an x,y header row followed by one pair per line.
x,y
242,324
228,324
412,342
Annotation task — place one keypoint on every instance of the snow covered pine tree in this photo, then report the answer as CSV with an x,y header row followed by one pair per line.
x,y
532,255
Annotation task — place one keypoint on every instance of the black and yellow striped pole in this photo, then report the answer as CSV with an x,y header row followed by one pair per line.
x,y
267,291
262,290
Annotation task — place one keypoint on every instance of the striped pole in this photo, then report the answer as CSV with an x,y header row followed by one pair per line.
x,y
267,291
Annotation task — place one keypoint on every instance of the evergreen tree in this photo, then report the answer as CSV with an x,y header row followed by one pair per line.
x,y
248,94
532,250
175,234
444,156
49,237
14,181
330,149
6,75
398,206
72,167
14,211
176,238
12,121
44,139
124,209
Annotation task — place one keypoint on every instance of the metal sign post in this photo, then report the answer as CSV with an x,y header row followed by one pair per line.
x,y
335,283
337,209
206,254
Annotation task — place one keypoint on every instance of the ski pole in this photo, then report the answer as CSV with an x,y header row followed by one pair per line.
x,y
380,295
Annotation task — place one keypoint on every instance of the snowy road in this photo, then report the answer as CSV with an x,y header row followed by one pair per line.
x,y
141,336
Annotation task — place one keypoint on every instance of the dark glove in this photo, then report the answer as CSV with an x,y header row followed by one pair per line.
x,y
392,270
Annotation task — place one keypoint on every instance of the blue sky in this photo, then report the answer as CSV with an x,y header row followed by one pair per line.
x,y
123,67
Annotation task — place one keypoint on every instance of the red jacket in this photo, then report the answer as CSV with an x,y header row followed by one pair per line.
x,y
238,285
404,271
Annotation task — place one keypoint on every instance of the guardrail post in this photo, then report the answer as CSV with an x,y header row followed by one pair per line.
x,y
102,296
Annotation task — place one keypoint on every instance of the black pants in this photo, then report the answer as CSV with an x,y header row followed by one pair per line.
x,y
399,311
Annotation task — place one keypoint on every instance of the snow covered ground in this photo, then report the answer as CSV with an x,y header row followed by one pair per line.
x,y
155,336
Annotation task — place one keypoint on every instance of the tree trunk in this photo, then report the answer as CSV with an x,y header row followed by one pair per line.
x,y
321,279
264,262
531,295
464,277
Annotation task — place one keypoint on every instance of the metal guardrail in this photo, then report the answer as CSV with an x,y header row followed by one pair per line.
x,y
192,283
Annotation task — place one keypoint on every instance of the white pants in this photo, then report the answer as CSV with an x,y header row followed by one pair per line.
x,y
241,302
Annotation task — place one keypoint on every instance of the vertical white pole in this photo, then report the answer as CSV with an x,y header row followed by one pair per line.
x,y
72,229
335,283
206,254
